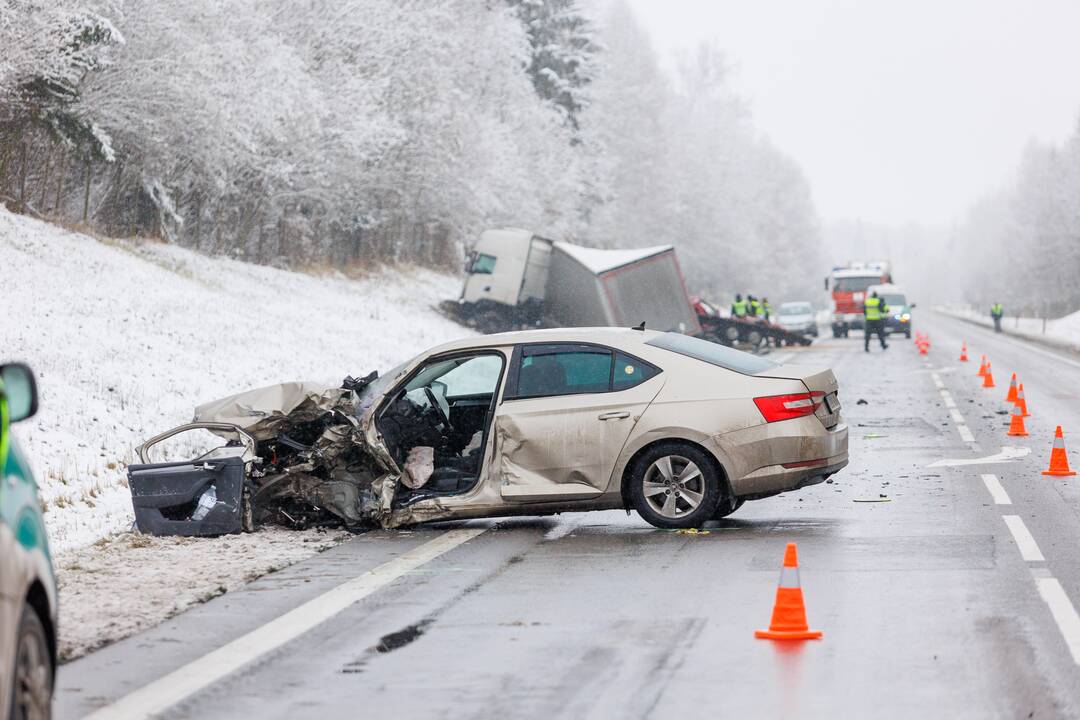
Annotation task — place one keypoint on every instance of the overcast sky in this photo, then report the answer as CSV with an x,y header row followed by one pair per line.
x,y
897,111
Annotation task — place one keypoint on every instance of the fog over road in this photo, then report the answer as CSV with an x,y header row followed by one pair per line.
x,y
951,596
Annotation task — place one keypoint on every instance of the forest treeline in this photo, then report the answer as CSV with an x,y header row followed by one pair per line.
x,y
1020,245
359,132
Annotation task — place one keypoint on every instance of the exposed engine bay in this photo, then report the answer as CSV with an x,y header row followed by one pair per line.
x,y
302,456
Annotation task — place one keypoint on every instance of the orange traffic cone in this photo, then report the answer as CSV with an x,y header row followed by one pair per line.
x,y
982,367
922,348
963,353
1021,401
988,378
789,612
1059,461
1016,424
1011,396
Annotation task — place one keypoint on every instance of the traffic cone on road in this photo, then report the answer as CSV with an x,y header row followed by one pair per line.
x,y
1011,396
789,612
1021,401
1059,461
1016,424
963,353
982,367
923,348
988,378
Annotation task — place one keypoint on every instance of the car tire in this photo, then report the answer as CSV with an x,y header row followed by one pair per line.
x,y
727,507
32,676
680,496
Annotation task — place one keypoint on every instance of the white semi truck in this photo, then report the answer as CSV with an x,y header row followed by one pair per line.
x,y
515,278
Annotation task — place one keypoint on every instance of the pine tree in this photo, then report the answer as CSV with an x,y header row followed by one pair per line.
x,y
562,45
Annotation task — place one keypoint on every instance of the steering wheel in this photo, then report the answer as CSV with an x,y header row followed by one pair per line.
x,y
435,404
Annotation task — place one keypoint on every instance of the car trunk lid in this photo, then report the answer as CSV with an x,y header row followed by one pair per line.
x,y
817,380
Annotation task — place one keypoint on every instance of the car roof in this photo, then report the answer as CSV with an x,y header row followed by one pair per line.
x,y
627,338
887,287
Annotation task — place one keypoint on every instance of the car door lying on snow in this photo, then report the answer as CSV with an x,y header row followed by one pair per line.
x,y
565,416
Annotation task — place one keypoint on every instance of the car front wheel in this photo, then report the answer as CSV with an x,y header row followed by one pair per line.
x,y
31,692
675,486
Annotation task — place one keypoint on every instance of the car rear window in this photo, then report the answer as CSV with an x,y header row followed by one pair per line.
x,y
712,353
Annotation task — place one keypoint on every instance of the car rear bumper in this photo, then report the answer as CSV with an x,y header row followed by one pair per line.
x,y
772,458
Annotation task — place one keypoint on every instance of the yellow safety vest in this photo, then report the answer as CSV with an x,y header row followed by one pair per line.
x,y
873,308
739,306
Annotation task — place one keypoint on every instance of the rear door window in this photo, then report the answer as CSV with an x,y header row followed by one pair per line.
x,y
573,369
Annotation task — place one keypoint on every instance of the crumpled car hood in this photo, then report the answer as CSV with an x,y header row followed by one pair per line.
x,y
260,412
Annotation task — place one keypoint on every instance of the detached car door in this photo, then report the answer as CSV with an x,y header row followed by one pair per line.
x,y
567,411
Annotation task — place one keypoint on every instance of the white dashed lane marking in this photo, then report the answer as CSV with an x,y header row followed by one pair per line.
x,y
1063,611
1029,549
965,433
996,490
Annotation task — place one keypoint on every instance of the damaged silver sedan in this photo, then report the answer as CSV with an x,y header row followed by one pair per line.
x,y
525,423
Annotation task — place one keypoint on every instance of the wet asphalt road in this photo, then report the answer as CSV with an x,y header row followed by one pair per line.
x,y
929,605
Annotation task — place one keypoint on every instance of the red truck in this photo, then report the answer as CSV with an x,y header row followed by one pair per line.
x,y
848,285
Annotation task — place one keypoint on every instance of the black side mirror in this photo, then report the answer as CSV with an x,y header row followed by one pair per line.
x,y
826,284
912,306
19,388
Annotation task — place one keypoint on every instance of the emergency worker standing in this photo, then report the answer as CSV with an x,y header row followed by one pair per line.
x,y
756,309
767,308
874,309
996,312
738,308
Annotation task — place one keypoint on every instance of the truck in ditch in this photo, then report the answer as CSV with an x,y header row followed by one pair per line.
x,y
516,279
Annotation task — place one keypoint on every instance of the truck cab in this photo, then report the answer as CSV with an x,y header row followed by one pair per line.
x,y
849,286
508,267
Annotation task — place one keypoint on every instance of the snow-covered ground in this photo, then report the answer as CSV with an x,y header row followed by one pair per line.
x,y
130,582
126,338
1063,332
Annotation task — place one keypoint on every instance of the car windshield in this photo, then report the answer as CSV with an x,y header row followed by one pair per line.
x,y
712,353
895,301
855,284
796,309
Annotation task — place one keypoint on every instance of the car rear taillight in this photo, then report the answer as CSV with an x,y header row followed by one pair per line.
x,y
775,408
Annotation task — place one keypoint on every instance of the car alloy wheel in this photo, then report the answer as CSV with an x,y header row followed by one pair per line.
x,y
32,687
673,486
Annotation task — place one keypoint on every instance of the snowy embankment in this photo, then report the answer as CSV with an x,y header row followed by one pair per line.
x,y
1063,333
126,338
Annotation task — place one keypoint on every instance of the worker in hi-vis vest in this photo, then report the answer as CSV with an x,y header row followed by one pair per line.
x,y
738,308
874,308
996,312
755,306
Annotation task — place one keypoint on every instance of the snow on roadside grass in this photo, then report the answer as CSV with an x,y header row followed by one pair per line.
x,y
127,338
114,588
1063,332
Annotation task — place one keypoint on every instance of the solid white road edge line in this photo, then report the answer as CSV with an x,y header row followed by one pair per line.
x,y
165,692
1064,613
996,490
965,433
1029,549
